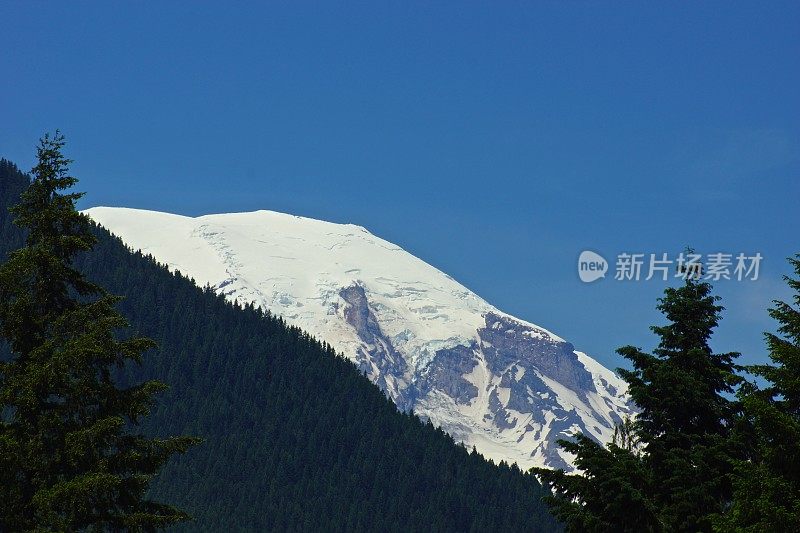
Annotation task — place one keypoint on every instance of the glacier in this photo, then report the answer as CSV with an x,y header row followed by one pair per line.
x,y
504,385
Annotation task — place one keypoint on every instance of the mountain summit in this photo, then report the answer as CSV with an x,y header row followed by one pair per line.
x,y
504,385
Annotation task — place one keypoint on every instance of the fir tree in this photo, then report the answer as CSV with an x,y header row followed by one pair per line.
x,y
685,416
670,470
767,480
69,455
611,494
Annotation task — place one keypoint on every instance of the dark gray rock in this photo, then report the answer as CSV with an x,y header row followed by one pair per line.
x,y
377,357
506,342
446,373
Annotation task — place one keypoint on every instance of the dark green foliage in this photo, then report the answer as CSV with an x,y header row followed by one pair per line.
x,y
295,438
11,238
767,479
68,459
611,495
674,473
685,417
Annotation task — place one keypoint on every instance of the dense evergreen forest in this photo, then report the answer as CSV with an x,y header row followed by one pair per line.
x,y
294,437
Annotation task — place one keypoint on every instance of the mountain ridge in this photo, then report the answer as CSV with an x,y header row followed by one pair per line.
x,y
505,385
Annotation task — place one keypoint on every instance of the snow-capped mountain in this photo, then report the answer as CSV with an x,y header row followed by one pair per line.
x,y
507,386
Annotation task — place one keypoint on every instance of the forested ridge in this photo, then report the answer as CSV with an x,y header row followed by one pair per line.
x,y
294,437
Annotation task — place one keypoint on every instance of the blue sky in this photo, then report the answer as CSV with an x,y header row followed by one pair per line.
x,y
495,140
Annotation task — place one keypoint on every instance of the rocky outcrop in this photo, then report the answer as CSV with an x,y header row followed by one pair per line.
x,y
513,379
376,356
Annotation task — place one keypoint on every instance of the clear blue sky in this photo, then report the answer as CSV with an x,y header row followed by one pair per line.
x,y
496,140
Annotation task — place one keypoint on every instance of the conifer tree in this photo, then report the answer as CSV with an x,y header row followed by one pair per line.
x,y
680,475
611,494
767,479
685,416
70,457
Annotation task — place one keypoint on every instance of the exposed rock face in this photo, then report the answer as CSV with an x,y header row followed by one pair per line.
x,y
515,360
507,342
376,356
446,373
507,386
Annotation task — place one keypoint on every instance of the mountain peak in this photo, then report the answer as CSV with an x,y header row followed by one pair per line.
x,y
505,385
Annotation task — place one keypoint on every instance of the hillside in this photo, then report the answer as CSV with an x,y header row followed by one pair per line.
x,y
296,438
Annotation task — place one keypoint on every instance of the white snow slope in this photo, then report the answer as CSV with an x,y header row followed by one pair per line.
x,y
502,384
